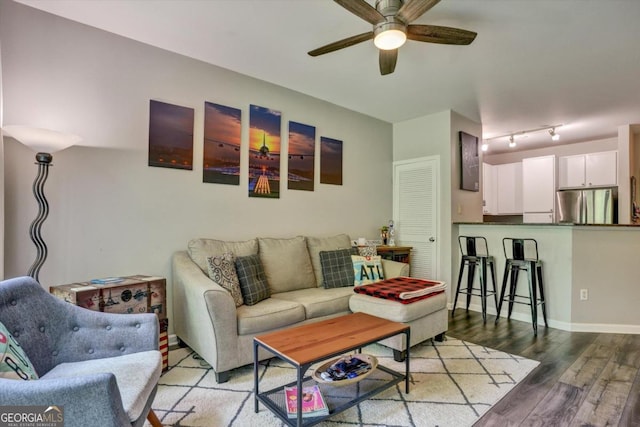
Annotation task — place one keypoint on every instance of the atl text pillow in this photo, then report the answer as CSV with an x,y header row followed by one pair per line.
x,y
367,269
14,363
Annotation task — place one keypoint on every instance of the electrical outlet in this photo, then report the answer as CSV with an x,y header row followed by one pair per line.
x,y
584,294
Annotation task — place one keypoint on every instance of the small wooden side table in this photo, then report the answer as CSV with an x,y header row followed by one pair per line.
x,y
395,253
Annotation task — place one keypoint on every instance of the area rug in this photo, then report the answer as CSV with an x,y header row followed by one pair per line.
x,y
452,384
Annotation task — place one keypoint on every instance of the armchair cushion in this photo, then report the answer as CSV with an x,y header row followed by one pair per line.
x,y
14,363
136,376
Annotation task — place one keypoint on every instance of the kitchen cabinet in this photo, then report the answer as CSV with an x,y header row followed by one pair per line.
x,y
537,218
539,188
489,189
588,170
509,188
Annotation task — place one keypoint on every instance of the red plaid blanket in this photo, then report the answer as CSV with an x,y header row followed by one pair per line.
x,y
404,290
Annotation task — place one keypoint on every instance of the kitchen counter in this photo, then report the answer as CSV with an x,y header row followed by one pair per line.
x,y
602,258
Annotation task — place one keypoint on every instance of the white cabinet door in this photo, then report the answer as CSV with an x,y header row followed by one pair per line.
x,y
539,184
509,188
489,189
602,169
571,172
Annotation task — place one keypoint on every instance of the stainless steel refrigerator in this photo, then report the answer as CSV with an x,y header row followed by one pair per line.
x,y
592,206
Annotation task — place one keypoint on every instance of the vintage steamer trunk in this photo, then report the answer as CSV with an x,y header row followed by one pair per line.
x,y
133,294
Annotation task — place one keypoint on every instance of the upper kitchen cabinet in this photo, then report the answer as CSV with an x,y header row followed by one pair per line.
x,y
538,188
502,189
588,170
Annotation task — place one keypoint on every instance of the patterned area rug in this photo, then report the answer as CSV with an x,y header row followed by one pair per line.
x,y
452,384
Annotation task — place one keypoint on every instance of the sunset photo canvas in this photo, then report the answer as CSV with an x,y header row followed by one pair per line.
x,y
264,152
221,156
302,146
170,135
330,161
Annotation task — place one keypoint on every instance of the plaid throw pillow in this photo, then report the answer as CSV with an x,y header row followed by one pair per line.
x,y
337,268
222,270
253,280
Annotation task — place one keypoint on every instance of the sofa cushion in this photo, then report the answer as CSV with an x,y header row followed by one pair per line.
x,y
253,281
367,269
222,270
318,302
395,311
136,375
14,363
337,268
200,249
286,263
318,244
270,314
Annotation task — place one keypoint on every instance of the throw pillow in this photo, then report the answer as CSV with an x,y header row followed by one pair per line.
x,y
253,280
14,363
337,268
222,270
367,269
369,250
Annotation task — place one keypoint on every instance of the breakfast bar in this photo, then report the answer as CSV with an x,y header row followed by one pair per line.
x,y
599,260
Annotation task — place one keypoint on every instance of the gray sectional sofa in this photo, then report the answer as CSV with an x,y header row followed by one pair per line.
x,y
207,319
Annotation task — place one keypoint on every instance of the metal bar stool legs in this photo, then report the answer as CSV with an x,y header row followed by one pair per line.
x,y
474,251
533,267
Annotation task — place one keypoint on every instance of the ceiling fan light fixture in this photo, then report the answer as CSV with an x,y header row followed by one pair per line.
x,y
390,35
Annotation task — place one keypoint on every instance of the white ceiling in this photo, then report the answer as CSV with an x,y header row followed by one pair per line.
x,y
533,63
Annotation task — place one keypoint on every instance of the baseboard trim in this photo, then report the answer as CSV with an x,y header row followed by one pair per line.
x,y
565,326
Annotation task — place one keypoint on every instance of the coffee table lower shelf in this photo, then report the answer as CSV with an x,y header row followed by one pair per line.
x,y
338,398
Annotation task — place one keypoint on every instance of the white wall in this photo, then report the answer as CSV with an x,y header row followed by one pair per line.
x,y
437,134
1,177
111,214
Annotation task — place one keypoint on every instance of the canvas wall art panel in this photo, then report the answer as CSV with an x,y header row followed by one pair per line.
x,y
170,135
302,147
470,162
330,161
221,148
264,152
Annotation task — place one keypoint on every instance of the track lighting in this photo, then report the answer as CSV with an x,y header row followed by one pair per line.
x,y
512,143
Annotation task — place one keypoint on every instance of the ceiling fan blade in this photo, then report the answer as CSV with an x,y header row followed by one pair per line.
x,y
341,44
363,10
413,9
388,59
442,35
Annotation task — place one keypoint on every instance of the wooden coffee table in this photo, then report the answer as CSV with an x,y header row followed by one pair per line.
x,y
303,346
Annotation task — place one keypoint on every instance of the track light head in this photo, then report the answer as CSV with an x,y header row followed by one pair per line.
x,y
485,146
554,135
512,142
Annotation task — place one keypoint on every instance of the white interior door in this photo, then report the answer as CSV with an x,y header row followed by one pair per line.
x,y
415,212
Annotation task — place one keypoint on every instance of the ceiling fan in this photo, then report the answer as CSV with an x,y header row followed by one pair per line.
x,y
390,20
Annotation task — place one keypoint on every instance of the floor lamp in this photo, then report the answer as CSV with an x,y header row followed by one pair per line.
x,y
44,142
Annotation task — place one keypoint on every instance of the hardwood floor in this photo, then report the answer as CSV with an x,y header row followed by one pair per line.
x,y
584,379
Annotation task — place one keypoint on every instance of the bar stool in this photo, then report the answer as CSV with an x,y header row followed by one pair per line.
x,y
522,254
475,251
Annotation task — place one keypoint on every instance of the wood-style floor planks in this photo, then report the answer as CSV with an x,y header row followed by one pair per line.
x,y
584,379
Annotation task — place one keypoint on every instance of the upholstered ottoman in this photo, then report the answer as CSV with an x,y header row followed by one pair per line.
x,y
428,318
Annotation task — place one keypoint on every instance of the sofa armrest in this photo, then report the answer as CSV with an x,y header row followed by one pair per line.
x,y
394,268
204,313
85,399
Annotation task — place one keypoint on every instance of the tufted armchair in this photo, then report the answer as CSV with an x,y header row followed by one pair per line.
x,y
102,368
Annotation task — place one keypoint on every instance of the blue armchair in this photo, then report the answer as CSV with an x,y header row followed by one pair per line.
x,y
102,368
